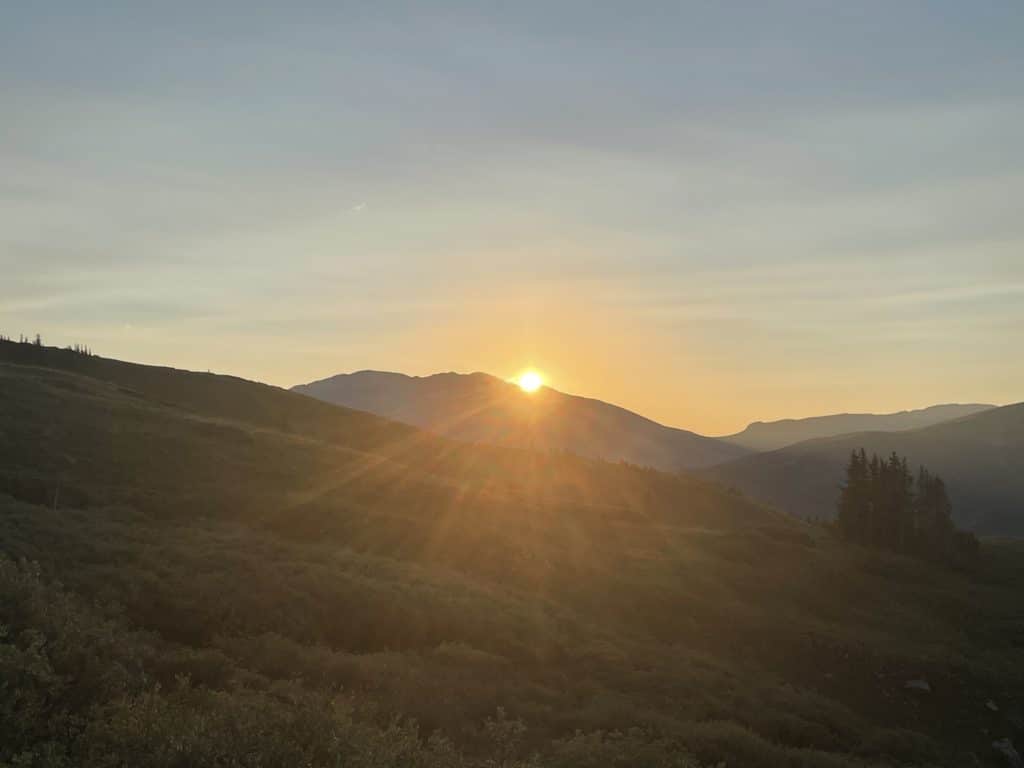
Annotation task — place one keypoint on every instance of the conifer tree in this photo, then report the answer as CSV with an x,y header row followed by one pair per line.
x,y
853,497
881,505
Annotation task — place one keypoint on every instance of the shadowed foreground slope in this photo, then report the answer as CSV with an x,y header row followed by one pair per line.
x,y
254,578
480,408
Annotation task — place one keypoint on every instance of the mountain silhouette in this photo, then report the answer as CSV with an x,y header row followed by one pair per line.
x,y
481,408
981,458
770,435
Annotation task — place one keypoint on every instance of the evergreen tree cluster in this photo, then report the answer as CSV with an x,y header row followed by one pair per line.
x,y
883,505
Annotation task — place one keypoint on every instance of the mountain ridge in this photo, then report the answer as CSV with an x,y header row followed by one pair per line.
x,y
778,433
981,457
479,407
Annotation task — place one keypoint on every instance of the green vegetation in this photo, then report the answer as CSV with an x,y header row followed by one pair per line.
x,y
200,571
880,506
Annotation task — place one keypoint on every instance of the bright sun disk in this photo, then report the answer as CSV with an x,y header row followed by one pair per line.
x,y
530,381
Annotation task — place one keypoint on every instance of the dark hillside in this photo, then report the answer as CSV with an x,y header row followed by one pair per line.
x,y
224,397
981,458
80,422
292,590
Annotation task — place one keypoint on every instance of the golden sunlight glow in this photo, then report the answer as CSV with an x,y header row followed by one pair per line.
x,y
530,381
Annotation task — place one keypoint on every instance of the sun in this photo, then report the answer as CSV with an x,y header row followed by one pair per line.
x,y
530,381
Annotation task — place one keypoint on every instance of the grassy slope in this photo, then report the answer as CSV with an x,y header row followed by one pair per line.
x,y
281,537
981,457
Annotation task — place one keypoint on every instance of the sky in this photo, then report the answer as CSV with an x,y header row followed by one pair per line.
x,y
707,212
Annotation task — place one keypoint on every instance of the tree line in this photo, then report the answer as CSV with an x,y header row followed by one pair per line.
x,y
79,349
883,505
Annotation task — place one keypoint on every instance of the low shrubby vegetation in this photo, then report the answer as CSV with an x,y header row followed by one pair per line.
x,y
82,688
200,571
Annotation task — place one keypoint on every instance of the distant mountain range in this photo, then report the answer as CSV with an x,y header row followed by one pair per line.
x,y
980,456
793,464
478,407
770,435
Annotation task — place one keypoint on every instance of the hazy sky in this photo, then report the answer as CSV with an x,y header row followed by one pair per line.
x,y
709,212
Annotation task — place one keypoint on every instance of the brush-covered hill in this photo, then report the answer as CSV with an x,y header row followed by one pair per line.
x,y
199,570
481,408
981,458
772,435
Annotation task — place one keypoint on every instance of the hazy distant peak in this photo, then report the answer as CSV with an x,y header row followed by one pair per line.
x,y
770,435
